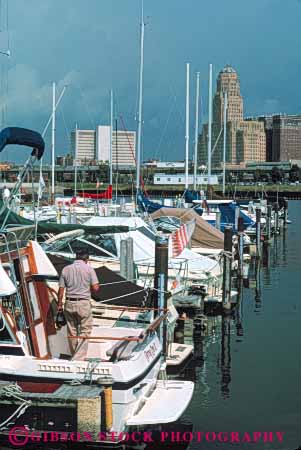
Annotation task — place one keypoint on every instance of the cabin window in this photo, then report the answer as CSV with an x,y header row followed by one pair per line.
x,y
148,233
25,264
6,335
35,310
103,242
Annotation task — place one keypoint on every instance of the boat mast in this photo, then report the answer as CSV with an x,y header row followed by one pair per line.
x,y
225,140
111,140
75,162
196,136
187,127
209,123
53,142
138,159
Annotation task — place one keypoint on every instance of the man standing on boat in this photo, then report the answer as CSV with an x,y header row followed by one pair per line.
x,y
78,279
5,194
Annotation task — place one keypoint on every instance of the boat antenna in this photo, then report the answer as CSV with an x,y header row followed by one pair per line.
x,y
196,136
225,140
138,162
53,143
209,123
111,134
187,127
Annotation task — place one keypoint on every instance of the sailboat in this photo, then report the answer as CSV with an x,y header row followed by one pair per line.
x,y
43,388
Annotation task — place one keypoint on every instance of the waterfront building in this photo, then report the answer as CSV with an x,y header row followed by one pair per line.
x,y
88,145
250,142
283,137
83,145
179,179
286,143
245,138
268,128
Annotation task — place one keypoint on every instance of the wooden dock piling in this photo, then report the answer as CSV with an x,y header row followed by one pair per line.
x,y
227,266
258,232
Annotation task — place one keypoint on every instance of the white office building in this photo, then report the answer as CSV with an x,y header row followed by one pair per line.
x,y
90,144
83,145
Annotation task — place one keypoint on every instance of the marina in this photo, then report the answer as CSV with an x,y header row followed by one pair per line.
x,y
168,286
146,304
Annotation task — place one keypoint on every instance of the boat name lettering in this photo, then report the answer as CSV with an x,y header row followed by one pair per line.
x,y
151,352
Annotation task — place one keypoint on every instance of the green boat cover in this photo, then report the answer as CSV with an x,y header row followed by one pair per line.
x,y
56,228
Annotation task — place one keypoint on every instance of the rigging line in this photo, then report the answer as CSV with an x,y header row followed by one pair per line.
x,y
131,147
65,124
165,127
86,106
7,27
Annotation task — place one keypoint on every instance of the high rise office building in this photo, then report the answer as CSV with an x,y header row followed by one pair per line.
x,y
87,145
245,139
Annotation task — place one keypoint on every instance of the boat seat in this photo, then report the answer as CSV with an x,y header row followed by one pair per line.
x,y
112,350
122,351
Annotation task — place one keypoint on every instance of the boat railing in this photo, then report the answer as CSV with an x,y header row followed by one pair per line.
x,y
9,239
16,237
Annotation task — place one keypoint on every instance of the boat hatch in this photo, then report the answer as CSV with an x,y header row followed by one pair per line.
x,y
9,342
174,395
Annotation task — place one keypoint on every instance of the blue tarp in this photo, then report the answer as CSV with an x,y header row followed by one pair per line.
x,y
228,216
147,205
23,136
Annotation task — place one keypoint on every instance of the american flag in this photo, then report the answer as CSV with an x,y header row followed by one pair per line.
x,y
181,237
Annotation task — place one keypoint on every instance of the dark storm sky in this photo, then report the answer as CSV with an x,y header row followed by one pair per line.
x,y
93,46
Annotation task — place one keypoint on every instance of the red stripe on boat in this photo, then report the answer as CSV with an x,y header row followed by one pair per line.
x,y
39,388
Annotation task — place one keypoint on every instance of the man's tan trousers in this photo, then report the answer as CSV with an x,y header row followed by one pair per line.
x,y
78,314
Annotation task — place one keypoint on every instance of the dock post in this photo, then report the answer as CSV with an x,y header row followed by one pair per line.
x,y
218,220
285,211
258,232
160,284
269,223
227,266
240,228
276,221
130,258
123,258
237,213
107,382
127,258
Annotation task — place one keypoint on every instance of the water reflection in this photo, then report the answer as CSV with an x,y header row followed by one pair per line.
x,y
226,356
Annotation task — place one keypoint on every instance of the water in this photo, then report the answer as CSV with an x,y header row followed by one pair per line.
x,y
253,382
248,370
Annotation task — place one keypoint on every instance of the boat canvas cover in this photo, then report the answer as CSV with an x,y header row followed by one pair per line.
x,y
228,216
55,228
204,235
22,136
144,245
119,288
107,194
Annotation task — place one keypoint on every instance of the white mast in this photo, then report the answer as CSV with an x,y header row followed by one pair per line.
x,y
196,136
187,127
53,143
225,140
209,123
75,162
138,159
111,141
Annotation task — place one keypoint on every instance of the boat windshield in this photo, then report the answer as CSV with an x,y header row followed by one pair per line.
x,y
6,336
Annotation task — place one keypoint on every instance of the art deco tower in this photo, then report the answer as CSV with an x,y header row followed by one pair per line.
x,y
228,81
245,138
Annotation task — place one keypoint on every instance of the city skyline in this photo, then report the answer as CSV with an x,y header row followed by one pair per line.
x,y
96,48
